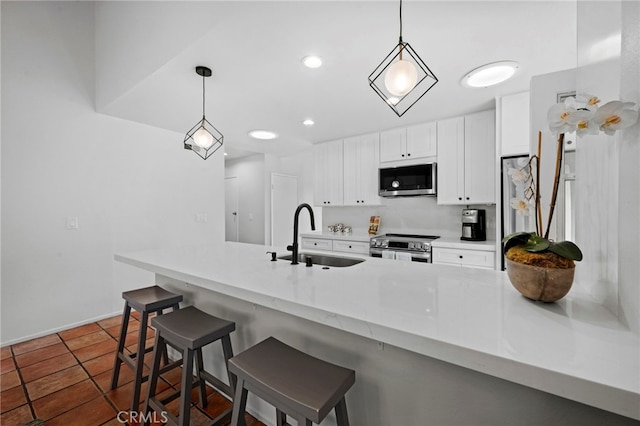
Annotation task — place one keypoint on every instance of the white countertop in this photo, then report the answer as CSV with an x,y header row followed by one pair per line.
x,y
473,318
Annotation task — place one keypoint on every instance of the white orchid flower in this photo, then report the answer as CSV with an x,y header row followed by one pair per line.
x,y
518,175
615,115
581,121
558,117
583,101
521,206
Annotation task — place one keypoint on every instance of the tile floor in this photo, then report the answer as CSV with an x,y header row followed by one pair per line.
x,y
64,379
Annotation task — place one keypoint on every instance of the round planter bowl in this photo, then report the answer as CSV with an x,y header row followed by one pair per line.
x,y
543,284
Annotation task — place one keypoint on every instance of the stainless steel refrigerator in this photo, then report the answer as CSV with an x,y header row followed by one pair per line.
x,y
511,189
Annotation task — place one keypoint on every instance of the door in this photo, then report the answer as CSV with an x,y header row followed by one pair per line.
x,y
231,208
284,201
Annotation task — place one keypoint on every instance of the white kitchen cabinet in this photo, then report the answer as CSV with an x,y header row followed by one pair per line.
x,y
408,143
361,159
346,246
329,176
463,257
316,244
512,115
466,159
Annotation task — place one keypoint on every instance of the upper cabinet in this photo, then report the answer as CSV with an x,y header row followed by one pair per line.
x,y
466,159
512,115
361,159
329,179
408,143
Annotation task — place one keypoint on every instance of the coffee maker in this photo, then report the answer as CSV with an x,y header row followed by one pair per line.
x,y
473,225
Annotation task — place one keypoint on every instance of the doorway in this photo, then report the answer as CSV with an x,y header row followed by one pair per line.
x,y
231,213
284,200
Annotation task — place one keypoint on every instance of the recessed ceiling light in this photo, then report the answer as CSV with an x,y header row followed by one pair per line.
x,y
262,134
490,74
308,122
312,61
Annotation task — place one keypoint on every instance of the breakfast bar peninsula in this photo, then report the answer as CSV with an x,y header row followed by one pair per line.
x,y
457,346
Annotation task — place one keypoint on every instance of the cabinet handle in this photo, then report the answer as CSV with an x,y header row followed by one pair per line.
x,y
467,198
460,256
409,154
349,246
403,155
460,198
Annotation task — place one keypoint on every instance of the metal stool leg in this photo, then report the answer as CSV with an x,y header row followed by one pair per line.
x,y
155,372
202,391
239,404
186,386
120,349
341,413
142,337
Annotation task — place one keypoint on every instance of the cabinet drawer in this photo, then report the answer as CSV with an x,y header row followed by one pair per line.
x,y
351,246
470,258
317,244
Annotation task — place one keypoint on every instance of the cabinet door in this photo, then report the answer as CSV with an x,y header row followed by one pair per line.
x,y
316,244
351,246
328,174
393,145
361,160
451,161
422,141
479,158
461,257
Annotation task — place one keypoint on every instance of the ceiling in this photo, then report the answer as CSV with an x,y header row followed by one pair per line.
x,y
258,82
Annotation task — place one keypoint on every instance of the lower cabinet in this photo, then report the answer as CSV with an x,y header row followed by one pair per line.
x,y
464,257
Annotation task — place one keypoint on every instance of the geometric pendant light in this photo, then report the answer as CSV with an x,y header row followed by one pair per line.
x,y
203,138
402,78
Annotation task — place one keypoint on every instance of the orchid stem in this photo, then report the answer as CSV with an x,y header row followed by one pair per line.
x,y
556,183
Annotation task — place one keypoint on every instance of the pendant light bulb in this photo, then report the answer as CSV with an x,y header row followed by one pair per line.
x,y
401,77
203,138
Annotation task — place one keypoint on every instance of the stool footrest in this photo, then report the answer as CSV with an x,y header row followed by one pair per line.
x,y
217,383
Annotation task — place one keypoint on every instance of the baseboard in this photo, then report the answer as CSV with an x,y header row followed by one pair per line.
x,y
58,329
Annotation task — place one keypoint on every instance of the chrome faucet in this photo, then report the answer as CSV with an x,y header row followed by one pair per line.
x,y
294,247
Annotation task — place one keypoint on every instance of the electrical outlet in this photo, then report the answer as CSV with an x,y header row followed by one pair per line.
x,y
380,346
72,222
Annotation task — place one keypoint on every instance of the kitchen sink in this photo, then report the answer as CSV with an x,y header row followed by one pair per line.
x,y
324,260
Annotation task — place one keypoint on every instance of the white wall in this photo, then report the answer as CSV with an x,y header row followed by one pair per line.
x,y
607,166
629,172
250,172
131,186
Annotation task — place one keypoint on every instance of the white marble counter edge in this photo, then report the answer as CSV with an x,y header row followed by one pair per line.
x,y
572,387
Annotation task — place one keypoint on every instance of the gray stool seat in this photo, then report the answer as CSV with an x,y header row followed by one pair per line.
x,y
297,384
146,301
189,330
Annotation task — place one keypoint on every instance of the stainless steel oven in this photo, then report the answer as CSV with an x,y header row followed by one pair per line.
x,y
416,248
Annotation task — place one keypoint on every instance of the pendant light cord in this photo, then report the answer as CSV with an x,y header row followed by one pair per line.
x,y
203,97
400,21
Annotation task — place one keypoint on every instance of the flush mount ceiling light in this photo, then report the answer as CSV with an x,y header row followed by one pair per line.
x,y
490,74
308,122
402,78
203,138
262,134
312,61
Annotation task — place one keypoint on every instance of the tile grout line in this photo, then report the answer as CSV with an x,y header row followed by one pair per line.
x,y
23,385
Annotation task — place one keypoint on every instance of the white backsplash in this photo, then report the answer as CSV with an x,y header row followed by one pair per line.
x,y
409,215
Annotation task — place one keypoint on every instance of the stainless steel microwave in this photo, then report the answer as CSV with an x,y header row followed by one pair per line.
x,y
402,181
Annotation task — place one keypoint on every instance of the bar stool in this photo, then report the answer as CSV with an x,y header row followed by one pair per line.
x,y
146,301
297,384
189,330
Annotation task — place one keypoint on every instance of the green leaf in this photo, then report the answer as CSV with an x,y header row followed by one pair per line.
x,y
536,244
566,249
515,239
